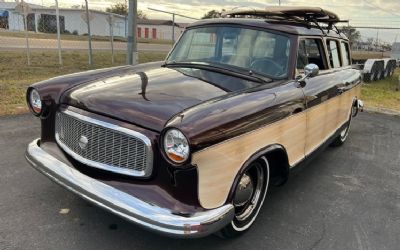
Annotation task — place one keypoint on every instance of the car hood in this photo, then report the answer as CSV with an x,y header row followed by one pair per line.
x,y
148,99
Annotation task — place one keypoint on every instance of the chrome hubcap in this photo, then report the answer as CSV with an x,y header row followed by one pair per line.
x,y
248,192
243,191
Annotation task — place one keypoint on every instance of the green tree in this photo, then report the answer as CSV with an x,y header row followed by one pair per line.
x,y
352,34
212,14
122,9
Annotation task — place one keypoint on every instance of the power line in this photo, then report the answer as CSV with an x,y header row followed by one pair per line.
x,y
376,27
173,19
173,13
379,7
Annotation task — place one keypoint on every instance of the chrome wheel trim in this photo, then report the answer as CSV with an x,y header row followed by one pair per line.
x,y
253,199
265,184
345,132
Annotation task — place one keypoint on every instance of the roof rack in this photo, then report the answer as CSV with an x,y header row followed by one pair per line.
x,y
309,16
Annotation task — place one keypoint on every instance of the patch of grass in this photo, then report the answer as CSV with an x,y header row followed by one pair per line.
x,y
383,93
364,55
16,76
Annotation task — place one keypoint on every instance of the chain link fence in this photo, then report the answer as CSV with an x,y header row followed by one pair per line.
x,y
81,35
96,38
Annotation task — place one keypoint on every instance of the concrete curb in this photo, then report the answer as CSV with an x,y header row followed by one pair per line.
x,y
382,111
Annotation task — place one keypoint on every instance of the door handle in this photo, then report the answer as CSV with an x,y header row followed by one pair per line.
x,y
342,89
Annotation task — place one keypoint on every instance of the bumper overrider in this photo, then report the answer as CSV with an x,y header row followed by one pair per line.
x,y
149,216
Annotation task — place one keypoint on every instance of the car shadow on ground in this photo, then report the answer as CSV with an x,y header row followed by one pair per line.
x,y
278,209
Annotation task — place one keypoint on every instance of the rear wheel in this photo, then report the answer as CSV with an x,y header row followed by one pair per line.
x,y
248,198
341,138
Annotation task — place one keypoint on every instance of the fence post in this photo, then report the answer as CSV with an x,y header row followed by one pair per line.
x,y
58,34
28,50
23,9
111,23
89,34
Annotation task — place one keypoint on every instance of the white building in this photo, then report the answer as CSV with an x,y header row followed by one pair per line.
x,y
158,29
42,19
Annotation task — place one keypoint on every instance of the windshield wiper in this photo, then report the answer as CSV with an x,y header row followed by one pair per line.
x,y
225,69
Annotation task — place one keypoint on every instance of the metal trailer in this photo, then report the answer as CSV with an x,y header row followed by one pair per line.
x,y
374,70
390,66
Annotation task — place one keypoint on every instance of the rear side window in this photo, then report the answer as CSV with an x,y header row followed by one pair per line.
x,y
334,59
310,51
344,48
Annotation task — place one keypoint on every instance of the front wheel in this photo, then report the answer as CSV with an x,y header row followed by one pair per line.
x,y
248,198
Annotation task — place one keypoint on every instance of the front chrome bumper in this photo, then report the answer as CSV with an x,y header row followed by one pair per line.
x,y
149,216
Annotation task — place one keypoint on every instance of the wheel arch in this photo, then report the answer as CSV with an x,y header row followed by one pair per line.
x,y
278,166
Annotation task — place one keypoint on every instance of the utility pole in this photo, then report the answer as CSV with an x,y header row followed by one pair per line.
x,y
132,57
279,2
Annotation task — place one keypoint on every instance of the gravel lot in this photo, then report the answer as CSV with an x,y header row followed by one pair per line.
x,y
346,198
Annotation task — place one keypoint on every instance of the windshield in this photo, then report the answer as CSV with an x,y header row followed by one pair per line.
x,y
262,52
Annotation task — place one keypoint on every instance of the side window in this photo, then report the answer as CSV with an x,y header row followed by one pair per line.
x,y
310,51
344,48
334,59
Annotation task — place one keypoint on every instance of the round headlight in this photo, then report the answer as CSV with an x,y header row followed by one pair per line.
x,y
176,146
35,102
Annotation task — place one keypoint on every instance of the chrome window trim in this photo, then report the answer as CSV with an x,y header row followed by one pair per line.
x,y
130,172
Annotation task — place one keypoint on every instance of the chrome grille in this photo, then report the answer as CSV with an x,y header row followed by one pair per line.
x,y
104,145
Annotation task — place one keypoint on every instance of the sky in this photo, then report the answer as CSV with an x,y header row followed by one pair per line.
x,y
383,13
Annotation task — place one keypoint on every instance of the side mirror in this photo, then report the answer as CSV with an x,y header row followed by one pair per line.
x,y
310,70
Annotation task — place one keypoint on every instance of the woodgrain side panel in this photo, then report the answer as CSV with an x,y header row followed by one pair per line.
x,y
219,164
323,120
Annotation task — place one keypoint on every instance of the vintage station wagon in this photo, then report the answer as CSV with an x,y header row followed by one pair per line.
x,y
189,146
